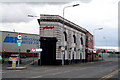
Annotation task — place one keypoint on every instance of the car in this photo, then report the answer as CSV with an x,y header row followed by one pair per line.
x,y
14,56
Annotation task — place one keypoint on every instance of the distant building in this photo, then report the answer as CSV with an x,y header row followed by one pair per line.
x,y
8,42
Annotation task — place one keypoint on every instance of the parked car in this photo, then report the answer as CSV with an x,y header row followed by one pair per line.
x,y
14,56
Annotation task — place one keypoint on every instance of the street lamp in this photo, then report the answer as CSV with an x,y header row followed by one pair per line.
x,y
39,58
94,38
63,47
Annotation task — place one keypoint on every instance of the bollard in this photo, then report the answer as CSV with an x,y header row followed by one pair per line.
x,y
13,62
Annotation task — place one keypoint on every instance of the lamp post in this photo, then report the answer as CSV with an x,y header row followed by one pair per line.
x,y
94,38
63,47
39,56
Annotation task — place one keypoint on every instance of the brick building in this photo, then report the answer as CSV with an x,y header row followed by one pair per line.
x,y
89,46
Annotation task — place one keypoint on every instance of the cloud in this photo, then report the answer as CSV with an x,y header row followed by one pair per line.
x,y
84,1
90,14
15,13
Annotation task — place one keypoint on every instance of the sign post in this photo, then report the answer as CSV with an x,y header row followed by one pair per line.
x,y
3,55
33,50
19,37
39,56
63,54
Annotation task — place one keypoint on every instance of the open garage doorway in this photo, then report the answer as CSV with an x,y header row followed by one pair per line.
x,y
48,55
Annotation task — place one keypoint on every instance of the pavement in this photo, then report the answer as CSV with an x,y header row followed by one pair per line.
x,y
100,70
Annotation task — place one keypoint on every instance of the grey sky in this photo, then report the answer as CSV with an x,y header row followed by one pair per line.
x,y
84,1
90,14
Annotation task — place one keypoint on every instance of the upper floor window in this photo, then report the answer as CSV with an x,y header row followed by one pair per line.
x,y
65,36
74,38
81,39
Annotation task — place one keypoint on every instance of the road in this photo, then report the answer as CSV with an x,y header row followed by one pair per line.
x,y
90,70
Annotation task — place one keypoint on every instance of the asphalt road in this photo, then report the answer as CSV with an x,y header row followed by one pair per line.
x,y
97,70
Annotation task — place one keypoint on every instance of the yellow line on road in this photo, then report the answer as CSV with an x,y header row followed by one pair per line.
x,y
110,75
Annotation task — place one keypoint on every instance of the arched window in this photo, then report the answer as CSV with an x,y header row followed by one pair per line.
x,y
74,38
65,36
81,39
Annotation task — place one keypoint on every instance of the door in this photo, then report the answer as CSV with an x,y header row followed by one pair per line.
x,y
48,55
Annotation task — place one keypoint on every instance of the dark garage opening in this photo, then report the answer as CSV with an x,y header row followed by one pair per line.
x,y
48,55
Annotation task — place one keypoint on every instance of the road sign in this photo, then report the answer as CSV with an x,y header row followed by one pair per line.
x,y
62,48
38,49
19,36
106,50
19,43
33,50
4,50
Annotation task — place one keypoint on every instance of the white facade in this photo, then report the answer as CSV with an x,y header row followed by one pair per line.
x,y
74,33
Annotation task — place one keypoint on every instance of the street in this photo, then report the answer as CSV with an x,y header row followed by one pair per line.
x,y
98,70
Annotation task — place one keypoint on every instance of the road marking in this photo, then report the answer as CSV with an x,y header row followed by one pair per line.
x,y
30,63
110,75
62,72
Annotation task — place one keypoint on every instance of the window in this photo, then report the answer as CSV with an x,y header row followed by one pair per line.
x,y
81,39
74,38
65,36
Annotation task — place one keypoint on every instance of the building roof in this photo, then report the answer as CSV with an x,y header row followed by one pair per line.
x,y
57,18
20,32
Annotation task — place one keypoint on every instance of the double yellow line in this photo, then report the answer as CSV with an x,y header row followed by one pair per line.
x,y
110,75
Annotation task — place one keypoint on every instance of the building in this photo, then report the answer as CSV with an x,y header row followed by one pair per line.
x,y
89,46
9,45
51,31
78,41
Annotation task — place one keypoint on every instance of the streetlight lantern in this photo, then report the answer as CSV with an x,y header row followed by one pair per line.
x,y
32,16
63,51
100,28
76,5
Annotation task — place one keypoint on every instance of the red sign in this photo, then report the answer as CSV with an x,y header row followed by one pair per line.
x,y
106,50
4,50
51,27
19,36
33,50
102,51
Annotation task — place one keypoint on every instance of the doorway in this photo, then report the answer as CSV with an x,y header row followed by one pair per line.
x,y
48,55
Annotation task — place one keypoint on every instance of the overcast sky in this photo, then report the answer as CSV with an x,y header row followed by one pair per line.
x,y
91,14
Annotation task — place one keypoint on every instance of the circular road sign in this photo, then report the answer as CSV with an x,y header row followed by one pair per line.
x,y
4,50
62,48
33,50
19,36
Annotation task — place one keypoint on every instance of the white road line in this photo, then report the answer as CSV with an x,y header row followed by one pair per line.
x,y
62,72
